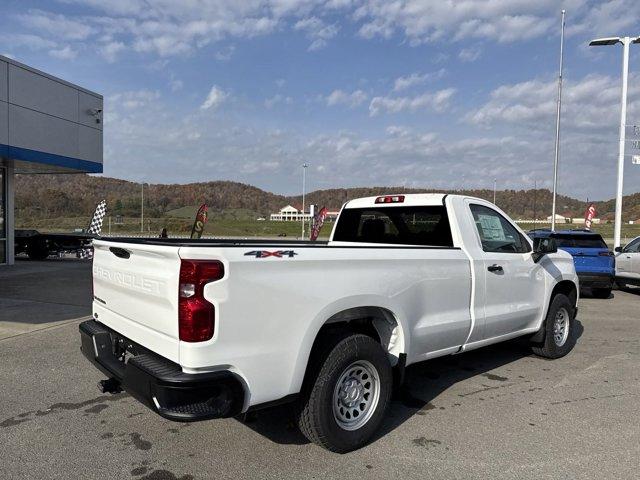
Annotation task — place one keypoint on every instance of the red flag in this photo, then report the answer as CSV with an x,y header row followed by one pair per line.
x,y
318,222
198,224
589,215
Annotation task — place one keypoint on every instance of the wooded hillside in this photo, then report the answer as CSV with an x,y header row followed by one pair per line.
x,y
51,196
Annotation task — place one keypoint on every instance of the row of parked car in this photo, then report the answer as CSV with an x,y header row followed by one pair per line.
x,y
598,268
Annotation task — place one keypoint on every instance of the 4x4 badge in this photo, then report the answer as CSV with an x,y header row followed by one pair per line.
x,y
267,253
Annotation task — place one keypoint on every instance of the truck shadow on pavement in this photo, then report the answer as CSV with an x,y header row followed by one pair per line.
x,y
424,382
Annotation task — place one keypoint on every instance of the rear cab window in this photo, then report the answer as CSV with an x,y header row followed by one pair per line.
x,y
414,225
579,241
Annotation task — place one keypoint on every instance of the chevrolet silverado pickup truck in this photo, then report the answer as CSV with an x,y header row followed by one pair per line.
x,y
201,329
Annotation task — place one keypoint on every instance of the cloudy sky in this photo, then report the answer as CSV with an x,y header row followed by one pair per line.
x,y
421,93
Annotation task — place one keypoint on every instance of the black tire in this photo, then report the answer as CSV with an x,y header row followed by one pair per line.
x,y
38,251
601,292
549,347
316,418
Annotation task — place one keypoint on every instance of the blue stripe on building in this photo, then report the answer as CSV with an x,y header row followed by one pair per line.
x,y
27,155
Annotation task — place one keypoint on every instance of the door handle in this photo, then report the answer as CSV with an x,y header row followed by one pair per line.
x,y
495,268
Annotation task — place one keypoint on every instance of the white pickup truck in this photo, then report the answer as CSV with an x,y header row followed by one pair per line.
x,y
199,329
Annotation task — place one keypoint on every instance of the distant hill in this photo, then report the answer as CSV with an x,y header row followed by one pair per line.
x,y
51,196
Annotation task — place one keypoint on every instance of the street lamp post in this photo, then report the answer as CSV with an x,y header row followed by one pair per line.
x,y
304,180
142,207
625,41
495,184
558,109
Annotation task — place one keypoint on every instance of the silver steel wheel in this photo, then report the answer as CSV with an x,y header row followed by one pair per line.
x,y
356,395
561,327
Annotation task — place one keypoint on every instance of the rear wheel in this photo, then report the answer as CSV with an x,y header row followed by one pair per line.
x,y
601,292
38,250
559,329
346,397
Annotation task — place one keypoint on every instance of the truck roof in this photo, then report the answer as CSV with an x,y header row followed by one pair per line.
x,y
408,199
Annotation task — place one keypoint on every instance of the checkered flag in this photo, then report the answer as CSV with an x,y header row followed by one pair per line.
x,y
95,227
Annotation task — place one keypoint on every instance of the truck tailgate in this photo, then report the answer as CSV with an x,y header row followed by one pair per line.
x,y
135,289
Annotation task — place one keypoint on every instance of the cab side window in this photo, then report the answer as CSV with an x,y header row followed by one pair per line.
x,y
633,247
496,232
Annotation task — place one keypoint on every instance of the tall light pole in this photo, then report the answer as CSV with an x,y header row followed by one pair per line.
x,y
535,202
304,184
495,184
558,109
625,41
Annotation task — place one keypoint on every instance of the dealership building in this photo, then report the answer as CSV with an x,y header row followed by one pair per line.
x,y
47,125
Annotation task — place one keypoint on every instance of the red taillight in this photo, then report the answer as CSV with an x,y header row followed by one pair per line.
x,y
390,199
605,254
196,316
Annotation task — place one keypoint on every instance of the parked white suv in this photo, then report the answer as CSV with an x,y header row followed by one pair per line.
x,y
628,264
199,329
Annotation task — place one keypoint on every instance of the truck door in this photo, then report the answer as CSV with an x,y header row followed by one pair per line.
x,y
514,283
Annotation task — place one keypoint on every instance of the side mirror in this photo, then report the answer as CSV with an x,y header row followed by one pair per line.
x,y
618,249
543,246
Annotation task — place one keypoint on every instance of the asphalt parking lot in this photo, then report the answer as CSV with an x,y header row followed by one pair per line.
x,y
493,413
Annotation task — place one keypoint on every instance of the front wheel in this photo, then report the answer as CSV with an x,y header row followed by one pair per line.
x,y
344,403
559,329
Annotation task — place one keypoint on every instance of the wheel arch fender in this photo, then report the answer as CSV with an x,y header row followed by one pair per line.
x,y
382,315
565,286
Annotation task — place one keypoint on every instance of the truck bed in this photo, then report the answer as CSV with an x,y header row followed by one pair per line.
x,y
212,242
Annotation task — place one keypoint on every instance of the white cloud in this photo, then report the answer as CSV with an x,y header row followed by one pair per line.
x,y
470,54
175,84
168,28
156,133
55,24
603,19
225,53
64,53
403,83
215,98
588,104
340,97
132,100
421,21
317,31
31,42
277,99
111,50
437,101
397,130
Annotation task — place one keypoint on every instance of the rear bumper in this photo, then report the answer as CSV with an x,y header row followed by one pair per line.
x,y
595,280
159,383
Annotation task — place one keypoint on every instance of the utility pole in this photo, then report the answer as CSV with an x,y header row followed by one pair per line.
x,y
304,180
142,207
559,107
